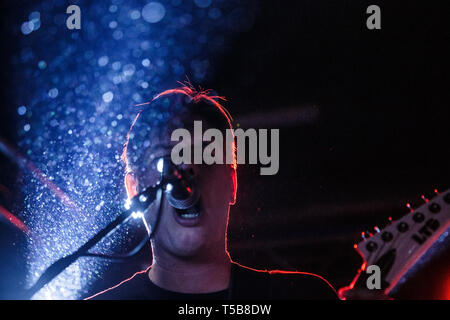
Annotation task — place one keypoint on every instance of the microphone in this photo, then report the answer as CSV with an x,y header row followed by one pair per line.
x,y
183,193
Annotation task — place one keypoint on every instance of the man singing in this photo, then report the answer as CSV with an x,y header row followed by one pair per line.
x,y
190,257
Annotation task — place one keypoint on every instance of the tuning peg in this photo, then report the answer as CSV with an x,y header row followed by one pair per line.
x,y
424,198
365,234
402,227
384,224
447,198
371,246
408,205
377,230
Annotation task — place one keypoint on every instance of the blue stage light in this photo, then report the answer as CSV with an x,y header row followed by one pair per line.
x,y
80,89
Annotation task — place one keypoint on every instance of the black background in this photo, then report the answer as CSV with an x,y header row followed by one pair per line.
x,y
380,138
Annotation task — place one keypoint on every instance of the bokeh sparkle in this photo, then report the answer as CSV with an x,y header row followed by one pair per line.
x,y
76,92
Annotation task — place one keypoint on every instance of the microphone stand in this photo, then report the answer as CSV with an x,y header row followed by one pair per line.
x,y
139,203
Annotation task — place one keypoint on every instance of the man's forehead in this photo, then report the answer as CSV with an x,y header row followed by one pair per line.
x,y
163,140
163,133
160,145
157,137
163,146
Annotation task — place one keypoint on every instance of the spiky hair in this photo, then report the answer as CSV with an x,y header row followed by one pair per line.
x,y
194,97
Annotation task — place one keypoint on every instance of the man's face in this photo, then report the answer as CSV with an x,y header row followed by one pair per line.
x,y
181,235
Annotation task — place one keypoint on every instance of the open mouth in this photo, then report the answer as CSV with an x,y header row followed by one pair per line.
x,y
187,218
187,215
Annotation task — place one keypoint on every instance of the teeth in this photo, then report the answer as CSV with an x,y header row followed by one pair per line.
x,y
189,215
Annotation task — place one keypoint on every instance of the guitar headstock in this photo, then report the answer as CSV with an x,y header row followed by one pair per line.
x,y
400,244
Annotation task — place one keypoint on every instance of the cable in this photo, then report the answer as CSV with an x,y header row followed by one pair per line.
x,y
119,256
58,266
137,249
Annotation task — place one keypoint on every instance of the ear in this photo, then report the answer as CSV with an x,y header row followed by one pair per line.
x,y
233,187
131,184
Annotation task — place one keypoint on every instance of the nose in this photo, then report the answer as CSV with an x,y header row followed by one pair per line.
x,y
190,170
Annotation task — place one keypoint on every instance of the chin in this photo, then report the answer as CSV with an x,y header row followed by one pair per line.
x,y
187,244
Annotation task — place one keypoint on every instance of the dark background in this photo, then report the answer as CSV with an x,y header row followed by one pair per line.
x,y
379,138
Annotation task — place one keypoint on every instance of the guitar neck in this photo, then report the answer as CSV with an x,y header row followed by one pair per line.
x,y
397,247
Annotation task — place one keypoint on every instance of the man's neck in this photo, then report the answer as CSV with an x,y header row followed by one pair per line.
x,y
186,276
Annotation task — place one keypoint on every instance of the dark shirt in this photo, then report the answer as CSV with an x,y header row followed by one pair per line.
x,y
245,283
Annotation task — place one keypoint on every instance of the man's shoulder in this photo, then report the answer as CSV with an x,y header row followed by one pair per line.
x,y
289,285
130,288
247,283
301,285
